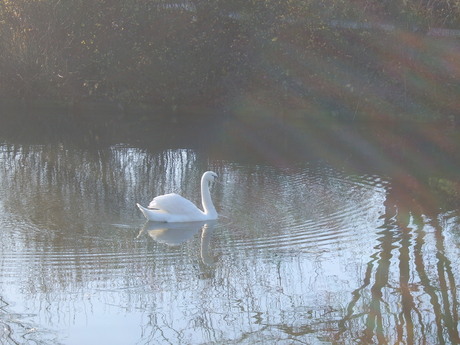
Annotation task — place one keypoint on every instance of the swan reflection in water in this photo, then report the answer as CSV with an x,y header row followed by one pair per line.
x,y
175,234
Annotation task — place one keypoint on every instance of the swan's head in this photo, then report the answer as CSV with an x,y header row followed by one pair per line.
x,y
209,176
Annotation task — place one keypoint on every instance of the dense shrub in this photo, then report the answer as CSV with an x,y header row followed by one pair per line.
x,y
177,52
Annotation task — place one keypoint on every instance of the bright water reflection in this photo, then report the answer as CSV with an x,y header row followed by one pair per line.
x,y
306,253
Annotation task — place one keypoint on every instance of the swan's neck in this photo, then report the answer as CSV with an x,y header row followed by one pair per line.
x,y
206,200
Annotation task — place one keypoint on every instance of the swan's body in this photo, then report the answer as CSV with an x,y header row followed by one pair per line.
x,y
173,208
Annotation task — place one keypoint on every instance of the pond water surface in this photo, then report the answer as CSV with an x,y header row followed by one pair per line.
x,y
326,234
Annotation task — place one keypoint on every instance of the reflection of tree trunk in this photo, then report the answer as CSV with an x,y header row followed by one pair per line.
x,y
417,319
444,268
356,296
374,324
425,281
407,302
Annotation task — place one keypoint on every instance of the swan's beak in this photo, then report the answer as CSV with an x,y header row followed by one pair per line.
x,y
211,183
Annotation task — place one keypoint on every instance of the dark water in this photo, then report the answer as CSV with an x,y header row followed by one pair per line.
x,y
328,234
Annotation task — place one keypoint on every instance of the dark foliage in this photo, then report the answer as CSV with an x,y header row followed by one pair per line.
x,y
197,51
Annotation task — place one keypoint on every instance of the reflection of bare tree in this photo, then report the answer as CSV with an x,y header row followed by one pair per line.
x,y
420,305
6,334
13,331
70,198
374,316
5,328
55,185
449,301
62,204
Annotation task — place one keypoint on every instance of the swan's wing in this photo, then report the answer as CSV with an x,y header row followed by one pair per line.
x,y
174,204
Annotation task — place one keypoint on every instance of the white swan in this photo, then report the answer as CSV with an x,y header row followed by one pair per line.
x,y
173,208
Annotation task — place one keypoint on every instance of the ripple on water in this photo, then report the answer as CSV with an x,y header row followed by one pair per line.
x,y
56,258
312,210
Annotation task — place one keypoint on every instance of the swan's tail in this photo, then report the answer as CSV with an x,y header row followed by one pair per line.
x,y
145,211
152,215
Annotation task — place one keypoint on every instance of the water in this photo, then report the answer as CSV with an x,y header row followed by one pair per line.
x,y
326,235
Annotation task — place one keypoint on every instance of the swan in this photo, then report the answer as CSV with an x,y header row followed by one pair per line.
x,y
173,208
